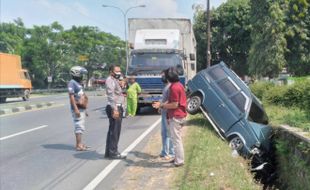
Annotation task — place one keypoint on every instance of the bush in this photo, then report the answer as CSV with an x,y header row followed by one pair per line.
x,y
276,95
259,88
297,95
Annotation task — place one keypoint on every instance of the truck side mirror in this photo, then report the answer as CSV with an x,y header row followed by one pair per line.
x,y
180,70
192,57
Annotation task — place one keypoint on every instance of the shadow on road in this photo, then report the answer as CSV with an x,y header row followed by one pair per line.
x,y
148,110
146,160
59,146
89,155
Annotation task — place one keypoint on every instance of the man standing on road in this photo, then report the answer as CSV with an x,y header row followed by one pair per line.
x,y
176,106
114,110
167,151
78,102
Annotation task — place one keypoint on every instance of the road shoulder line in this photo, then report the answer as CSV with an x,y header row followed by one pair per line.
x,y
93,184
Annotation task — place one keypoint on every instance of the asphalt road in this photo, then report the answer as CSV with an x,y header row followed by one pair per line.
x,y
37,147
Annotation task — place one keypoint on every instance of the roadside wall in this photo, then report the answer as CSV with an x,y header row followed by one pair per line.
x,y
293,157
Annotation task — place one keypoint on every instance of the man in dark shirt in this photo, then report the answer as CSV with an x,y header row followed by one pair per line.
x,y
114,110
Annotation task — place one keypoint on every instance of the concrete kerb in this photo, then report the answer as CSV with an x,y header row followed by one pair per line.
x,y
25,108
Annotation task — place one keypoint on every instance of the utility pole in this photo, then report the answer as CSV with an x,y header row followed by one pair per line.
x,y
208,35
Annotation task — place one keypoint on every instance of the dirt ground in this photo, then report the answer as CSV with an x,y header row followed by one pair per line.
x,y
148,170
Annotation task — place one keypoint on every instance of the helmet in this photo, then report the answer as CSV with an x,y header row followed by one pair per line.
x,y
78,71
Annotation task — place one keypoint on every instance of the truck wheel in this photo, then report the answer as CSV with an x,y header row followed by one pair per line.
x,y
26,95
2,99
193,104
138,109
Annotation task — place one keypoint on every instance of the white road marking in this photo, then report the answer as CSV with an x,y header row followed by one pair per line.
x,y
23,132
93,184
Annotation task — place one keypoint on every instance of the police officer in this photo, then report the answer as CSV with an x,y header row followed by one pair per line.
x,y
114,110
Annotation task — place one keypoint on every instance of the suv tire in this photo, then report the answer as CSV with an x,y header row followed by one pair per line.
x,y
193,104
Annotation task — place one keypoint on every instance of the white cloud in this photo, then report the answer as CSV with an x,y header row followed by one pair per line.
x,y
55,8
81,9
161,8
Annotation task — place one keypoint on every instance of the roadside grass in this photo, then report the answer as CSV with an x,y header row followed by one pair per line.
x,y
293,117
209,162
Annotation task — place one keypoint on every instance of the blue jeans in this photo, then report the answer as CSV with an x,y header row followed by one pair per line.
x,y
167,149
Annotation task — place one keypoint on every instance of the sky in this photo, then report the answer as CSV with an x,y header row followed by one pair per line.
x,y
91,12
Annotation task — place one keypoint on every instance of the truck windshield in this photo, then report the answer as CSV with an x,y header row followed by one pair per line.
x,y
153,63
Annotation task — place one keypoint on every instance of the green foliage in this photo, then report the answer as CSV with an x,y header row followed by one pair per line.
x,y
298,36
266,57
230,40
12,36
259,88
293,116
206,153
295,95
289,161
52,51
257,37
231,29
276,96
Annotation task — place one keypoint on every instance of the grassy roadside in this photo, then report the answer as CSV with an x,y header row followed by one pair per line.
x,y
209,162
294,117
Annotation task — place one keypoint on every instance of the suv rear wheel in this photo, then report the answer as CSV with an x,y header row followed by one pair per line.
x,y
193,104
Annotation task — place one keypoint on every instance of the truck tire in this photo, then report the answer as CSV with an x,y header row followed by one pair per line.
x,y
138,109
26,95
2,99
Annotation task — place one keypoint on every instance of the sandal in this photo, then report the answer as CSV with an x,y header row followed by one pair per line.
x,y
83,148
166,158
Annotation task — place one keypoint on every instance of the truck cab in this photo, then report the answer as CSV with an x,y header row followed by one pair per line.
x,y
154,51
14,80
147,65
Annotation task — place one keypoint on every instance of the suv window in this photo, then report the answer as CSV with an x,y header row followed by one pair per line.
x,y
240,101
257,113
217,73
228,87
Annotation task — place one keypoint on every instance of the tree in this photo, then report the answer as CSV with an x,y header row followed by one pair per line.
x,y
12,36
231,29
266,57
44,52
95,47
298,36
230,35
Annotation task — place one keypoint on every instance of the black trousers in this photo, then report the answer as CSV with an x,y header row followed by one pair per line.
x,y
114,132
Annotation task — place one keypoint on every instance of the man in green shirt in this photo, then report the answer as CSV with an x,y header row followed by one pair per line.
x,y
132,96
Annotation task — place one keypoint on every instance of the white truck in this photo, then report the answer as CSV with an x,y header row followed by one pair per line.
x,y
157,44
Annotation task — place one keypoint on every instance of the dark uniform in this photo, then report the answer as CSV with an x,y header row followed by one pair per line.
x,y
115,101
